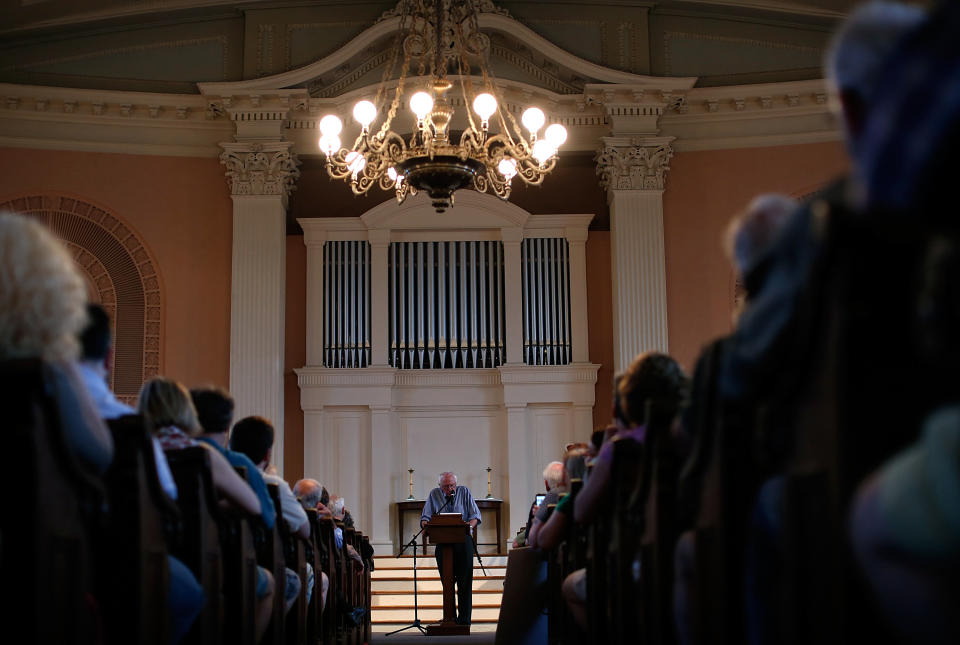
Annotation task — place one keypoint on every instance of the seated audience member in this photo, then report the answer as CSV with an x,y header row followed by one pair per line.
x,y
555,483
170,416
42,310
554,529
186,596
215,414
169,413
337,508
650,377
253,436
308,492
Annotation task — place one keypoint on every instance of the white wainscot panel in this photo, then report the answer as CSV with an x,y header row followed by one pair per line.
x,y
551,428
458,441
347,452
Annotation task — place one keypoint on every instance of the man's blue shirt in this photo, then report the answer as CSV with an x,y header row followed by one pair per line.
x,y
462,503
253,478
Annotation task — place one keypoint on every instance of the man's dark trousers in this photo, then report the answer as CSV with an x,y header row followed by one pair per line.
x,y
462,576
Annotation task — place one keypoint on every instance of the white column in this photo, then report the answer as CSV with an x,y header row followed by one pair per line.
x,y
513,293
520,492
383,465
379,297
314,240
579,338
260,177
634,175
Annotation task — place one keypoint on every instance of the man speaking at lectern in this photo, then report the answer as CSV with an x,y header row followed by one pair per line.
x,y
450,498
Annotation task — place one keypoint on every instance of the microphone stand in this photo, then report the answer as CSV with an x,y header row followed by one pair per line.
x,y
416,604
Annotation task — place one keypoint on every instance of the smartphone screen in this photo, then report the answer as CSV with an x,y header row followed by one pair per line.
x,y
540,499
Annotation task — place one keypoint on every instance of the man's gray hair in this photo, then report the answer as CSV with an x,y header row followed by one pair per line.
x,y
869,36
309,492
553,474
442,475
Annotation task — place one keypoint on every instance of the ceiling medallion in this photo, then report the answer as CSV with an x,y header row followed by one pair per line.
x,y
441,37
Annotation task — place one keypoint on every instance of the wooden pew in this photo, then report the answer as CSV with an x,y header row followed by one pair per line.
x,y
136,573
341,600
52,509
366,551
626,522
239,574
271,556
296,559
351,587
655,504
327,546
312,555
200,549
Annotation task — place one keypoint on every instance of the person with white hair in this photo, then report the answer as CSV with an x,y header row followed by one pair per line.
x,y
448,497
43,302
554,481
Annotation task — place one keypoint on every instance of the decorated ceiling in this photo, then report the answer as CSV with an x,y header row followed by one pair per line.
x,y
170,46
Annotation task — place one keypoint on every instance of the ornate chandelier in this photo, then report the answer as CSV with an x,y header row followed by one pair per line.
x,y
442,38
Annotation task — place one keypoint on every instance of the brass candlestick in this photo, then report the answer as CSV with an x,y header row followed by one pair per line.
x,y
489,486
410,496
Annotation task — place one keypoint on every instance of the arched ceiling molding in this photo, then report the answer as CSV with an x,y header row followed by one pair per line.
x,y
472,210
385,29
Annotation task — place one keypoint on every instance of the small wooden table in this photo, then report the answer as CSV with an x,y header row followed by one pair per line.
x,y
484,504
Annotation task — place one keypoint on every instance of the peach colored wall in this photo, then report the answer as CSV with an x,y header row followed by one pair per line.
x,y
704,190
600,322
295,356
181,208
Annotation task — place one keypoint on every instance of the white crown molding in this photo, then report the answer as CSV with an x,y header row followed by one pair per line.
x,y
312,377
548,375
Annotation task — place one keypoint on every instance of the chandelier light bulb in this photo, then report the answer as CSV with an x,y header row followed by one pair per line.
x,y
508,167
485,105
330,126
355,162
555,135
533,119
542,151
364,112
421,103
329,144
392,173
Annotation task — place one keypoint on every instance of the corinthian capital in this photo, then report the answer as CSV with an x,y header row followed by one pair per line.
x,y
260,168
634,164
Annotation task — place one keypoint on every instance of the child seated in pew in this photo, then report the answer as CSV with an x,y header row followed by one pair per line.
x,y
170,416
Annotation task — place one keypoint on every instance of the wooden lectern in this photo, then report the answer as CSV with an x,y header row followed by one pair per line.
x,y
447,529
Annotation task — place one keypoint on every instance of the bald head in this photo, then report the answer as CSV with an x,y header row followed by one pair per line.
x,y
309,492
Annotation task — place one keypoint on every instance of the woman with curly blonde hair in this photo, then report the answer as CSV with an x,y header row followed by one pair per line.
x,y
42,310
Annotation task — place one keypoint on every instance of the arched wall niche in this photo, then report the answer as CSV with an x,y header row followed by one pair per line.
x,y
121,275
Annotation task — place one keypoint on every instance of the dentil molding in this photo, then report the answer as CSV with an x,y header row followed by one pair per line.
x,y
260,168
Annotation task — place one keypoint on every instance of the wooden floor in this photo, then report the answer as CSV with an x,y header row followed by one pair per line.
x,y
413,636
